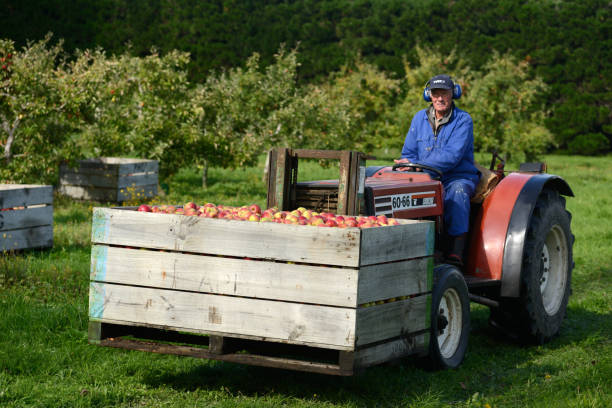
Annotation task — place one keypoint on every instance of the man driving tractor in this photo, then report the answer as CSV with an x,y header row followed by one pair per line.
x,y
441,136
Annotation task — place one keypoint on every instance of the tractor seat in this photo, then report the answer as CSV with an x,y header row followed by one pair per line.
x,y
487,183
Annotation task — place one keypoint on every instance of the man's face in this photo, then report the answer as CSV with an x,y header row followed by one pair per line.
x,y
442,99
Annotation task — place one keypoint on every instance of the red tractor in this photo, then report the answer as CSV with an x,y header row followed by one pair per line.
x,y
519,257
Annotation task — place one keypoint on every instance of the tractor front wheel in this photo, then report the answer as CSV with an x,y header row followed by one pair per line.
x,y
536,316
450,318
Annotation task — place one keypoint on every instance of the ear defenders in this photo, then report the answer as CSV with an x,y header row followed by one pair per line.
x,y
427,91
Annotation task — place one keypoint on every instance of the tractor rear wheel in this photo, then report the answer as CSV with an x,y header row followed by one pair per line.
x,y
536,316
450,318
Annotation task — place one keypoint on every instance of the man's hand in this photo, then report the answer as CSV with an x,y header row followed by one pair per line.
x,y
404,160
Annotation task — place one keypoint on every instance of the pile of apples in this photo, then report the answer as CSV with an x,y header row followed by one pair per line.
x,y
299,216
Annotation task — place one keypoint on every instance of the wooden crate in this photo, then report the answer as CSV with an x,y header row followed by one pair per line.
x,y
110,179
361,295
26,216
344,196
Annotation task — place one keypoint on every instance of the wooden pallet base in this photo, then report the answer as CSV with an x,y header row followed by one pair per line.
x,y
230,349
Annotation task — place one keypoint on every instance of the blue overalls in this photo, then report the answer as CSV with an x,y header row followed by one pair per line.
x,y
451,152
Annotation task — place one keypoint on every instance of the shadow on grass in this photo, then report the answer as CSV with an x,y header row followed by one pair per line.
x,y
494,366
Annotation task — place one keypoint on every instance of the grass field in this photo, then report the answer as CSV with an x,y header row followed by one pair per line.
x,y
46,361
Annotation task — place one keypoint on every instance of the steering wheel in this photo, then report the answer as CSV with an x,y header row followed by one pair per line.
x,y
418,166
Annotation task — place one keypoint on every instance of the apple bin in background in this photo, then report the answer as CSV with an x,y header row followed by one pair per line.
x,y
360,295
26,216
111,179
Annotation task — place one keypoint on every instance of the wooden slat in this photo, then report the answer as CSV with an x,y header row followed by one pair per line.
x,y
282,179
229,276
89,193
27,238
387,245
139,166
26,218
116,165
272,170
320,326
388,320
297,243
97,178
239,358
17,195
100,179
391,350
393,280
343,183
108,194
318,154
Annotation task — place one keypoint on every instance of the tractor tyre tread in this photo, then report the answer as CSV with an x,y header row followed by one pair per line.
x,y
526,316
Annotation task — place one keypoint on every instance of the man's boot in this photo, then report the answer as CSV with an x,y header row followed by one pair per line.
x,y
456,249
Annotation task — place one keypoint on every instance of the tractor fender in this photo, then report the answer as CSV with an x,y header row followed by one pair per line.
x,y
519,223
500,228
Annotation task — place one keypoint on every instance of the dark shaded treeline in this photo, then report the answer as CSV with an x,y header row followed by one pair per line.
x,y
567,42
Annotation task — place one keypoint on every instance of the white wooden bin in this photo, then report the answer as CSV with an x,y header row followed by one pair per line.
x,y
365,291
112,179
26,216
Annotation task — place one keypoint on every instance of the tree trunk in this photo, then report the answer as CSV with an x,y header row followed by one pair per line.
x,y
8,154
265,170
205,174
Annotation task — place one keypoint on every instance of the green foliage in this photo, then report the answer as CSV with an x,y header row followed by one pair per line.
x,y
506,107
370,94
95,105
566,42
36,98
136,107
589,144
249,110
240,109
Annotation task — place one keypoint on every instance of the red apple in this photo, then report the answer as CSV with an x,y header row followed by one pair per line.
x,y
331,223
254,217
144,208
291,218
392,221
254,208
382,219
190,211
351,222
316,220
190,206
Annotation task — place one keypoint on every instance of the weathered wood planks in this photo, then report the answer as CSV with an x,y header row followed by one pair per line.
x,y
26,216
364,293
111,179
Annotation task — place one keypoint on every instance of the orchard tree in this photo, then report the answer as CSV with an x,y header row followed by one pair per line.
x,y
508,110
370,94
36,101
238,110
138,107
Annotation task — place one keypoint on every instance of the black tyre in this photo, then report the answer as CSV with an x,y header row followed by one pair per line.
x,y
536,316
450,318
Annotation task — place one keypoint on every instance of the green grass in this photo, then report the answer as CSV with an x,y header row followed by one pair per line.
x,y
45,360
